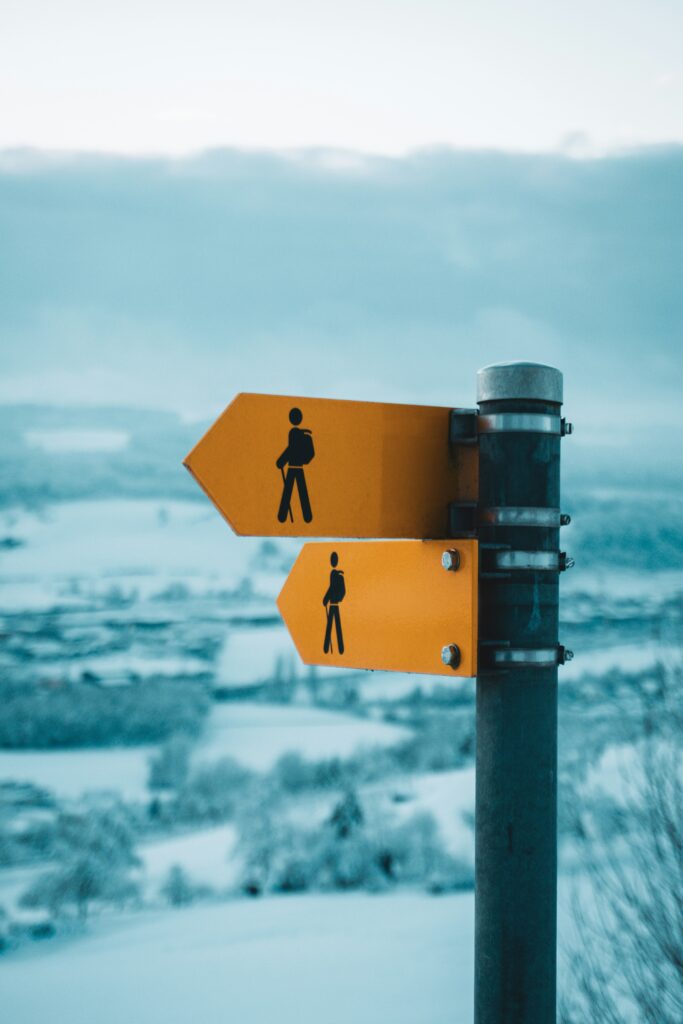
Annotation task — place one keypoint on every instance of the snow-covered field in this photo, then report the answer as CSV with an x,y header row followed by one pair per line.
x,y
402,958
70,773
162,588
205,855
449,797
142,544
254,734
383,686
258,734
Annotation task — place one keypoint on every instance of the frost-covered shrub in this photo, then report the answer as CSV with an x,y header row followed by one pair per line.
x,y
31,842
294,774
96,856
450,874
625,960
4,930
211,792
169,766
179,889
349,851
441,744
437,746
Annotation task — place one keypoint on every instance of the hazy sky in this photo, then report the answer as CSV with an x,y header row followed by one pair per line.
x,y
376,75
460,232
176,283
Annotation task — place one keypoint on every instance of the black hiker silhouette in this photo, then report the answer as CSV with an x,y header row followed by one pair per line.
x,y
298,453
336,592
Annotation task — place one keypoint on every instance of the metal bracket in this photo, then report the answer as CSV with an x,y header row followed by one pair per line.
x,y
463,426
502,656
462,519
467,424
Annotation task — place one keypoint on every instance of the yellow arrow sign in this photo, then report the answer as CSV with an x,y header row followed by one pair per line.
x,y
390,606
281,466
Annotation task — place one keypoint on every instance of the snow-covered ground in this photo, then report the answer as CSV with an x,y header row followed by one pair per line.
x,y
258,734
403,958
449,797
145,545
383,686
163,588
205,855
70,773
252,656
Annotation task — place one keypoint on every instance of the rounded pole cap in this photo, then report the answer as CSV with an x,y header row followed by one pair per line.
x,y
533,381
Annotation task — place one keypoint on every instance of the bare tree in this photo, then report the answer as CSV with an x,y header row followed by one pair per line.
x,y
627,964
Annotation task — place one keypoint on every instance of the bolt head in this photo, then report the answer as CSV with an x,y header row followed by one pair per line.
x,y
450,560
566,561
450,655
568,655
565,519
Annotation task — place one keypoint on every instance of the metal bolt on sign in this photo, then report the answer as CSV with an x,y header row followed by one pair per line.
x,y
450,655
450,560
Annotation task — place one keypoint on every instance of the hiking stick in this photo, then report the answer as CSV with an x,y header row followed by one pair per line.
x,y
289,507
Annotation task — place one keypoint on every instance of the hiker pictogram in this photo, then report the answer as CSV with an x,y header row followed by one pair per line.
x,y
298,453
335,594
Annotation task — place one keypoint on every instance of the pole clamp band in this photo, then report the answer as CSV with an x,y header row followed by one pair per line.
x,y
521,516
464,517
520,423
467,424
530,561
525,657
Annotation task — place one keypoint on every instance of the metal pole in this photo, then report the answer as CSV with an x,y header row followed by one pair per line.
x,y
516,779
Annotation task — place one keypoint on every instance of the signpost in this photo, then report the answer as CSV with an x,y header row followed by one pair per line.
x,y
387,605
516,766
485,603
314,467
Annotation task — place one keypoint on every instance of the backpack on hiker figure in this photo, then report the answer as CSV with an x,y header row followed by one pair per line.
x,y
301,450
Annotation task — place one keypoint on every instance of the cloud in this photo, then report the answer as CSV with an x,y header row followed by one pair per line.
x,y
175,283
186,115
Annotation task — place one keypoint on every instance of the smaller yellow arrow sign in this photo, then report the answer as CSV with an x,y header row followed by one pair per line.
x,y
387,605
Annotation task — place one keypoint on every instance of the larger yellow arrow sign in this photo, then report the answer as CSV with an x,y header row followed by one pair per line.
x,y
281,466
382,605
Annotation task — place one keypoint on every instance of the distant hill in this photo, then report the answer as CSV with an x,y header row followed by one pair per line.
x,y
57,454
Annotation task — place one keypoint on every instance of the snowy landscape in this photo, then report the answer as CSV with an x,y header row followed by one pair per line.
x,y
315,207
183,804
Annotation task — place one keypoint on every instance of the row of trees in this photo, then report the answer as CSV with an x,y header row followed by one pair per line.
x,y
82,714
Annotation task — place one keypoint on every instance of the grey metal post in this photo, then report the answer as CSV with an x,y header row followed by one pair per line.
x,y
516,777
